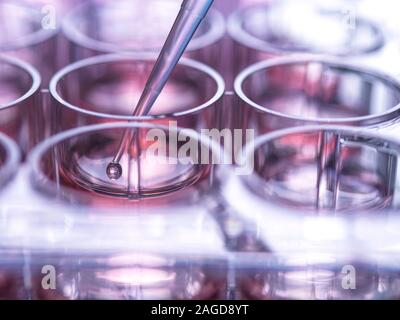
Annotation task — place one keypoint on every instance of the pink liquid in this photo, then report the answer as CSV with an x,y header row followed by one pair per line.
x,y
291,175
120,97
298,105
114,88
164,178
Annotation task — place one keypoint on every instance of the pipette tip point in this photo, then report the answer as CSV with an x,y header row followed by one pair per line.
x,y
114,170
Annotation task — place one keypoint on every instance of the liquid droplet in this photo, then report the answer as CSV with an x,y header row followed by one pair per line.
x,y
114,170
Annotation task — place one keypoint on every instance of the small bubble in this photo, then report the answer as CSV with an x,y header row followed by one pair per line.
x,y
114,170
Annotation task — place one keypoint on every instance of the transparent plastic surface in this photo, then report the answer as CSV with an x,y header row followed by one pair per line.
x,y
9,160
30,35
264,30
325,169
165,255
98,27
107,88
301,90
318,277
161,165
326,189
20,110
